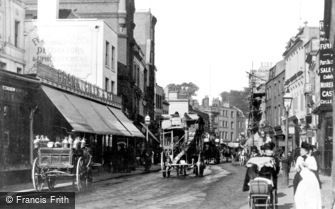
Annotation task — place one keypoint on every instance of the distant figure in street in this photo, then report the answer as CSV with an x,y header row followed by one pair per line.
x,y
254,152
289,161
306,185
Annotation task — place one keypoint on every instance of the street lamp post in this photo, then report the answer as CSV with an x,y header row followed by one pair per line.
x,y
287,104
147,123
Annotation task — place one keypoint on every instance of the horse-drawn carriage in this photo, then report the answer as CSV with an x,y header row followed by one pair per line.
x,y
61,162
182,143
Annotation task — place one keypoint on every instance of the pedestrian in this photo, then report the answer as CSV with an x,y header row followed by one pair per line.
x,y
306,186
289,162
254,152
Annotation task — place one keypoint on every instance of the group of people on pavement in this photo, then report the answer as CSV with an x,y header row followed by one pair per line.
x,y
124,159
306,183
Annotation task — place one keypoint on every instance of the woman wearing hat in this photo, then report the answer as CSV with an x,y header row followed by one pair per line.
x,y
307,192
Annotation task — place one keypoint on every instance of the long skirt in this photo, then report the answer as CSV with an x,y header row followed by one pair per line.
x,y
308,194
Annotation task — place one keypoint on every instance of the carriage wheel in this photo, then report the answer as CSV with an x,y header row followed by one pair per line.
x,y
195,170
201,171
37,178
51,182
81,177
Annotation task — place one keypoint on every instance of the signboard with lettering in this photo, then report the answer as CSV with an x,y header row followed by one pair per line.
x,y
69,46
326,69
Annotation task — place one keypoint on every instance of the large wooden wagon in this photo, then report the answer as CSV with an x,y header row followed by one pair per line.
x,y
182,141
60,162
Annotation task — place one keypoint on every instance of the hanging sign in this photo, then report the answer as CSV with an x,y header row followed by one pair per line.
x,y
326,69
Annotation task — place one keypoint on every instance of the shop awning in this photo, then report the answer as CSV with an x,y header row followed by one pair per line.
x,y
126,122
85,115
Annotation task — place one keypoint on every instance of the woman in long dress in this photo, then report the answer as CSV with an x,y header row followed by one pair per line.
x,y
307,194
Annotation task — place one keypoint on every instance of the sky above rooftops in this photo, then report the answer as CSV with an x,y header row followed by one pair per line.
x,y
213,43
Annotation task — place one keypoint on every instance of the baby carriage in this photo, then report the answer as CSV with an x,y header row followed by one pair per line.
x,y
261,174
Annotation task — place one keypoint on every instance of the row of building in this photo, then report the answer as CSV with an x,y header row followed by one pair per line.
x,y
83,68
306,73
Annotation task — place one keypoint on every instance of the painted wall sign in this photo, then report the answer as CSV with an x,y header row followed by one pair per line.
x,y
326,69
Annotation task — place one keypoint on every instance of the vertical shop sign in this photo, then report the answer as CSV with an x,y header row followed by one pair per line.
x,y
326,69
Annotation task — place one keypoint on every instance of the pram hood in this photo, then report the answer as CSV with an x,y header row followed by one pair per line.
x,y
261,162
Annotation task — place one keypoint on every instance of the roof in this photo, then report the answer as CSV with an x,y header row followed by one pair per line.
x,y
62,14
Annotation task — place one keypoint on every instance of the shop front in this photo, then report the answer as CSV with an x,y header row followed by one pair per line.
x,y
107,131
16,108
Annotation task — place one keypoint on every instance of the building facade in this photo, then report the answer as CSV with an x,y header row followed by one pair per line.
x,y
229,122
160,97
296,81
119,15
12,15
274,90
140,84
144,34
177,104
86,48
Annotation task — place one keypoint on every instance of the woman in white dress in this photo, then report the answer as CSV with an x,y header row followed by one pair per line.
x,y
307,194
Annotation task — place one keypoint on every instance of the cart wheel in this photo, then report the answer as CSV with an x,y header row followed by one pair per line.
x,y
36,176
51,182
195,170
201,171
80,175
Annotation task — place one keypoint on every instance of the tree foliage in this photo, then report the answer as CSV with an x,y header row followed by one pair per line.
x,y
237,98
186,90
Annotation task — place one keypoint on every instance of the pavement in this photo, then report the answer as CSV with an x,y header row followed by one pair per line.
x,y
98,176
285,193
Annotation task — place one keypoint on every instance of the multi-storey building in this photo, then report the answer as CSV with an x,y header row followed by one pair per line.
x,y
67,44
12,15
296,80
140,84
274,91
324,104
119,15
229,122
160,98
144,34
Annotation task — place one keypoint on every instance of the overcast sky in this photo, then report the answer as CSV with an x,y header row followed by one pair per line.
x,y
214,42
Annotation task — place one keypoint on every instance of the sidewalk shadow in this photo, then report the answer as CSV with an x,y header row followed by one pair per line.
x,y
286,206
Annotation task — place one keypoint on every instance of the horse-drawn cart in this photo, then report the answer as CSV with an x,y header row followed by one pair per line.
x,y
61,162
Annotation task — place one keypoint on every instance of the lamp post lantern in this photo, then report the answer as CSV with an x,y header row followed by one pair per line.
x,y
287,104
147,123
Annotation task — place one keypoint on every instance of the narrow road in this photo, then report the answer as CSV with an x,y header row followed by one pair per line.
x,y
219,188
